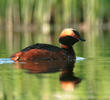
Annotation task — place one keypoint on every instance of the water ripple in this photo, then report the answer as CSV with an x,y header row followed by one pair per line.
x,y
9,61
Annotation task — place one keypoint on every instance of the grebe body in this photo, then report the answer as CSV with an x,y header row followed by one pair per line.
x,y
67,38
40,52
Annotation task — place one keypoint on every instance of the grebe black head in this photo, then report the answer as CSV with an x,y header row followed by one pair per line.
x,y
69,36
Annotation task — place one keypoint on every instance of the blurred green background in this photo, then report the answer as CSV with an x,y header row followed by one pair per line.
x,y
25,22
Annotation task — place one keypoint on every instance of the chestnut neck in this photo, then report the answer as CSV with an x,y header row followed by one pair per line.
x,y
69,49
64,46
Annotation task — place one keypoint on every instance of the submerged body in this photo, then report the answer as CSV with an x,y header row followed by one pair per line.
x,y
49,52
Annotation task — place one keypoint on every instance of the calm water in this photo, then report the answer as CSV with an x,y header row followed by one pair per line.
x,y
20,82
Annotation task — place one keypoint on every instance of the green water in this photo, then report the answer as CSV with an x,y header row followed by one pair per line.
x,y
18,84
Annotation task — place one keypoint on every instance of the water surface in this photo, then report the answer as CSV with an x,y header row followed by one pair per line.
x,y
91,74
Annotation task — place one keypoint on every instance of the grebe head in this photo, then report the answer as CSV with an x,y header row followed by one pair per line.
x,y
69,37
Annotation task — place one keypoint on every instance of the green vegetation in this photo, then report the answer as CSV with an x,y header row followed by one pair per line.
x,y
58,12
25,20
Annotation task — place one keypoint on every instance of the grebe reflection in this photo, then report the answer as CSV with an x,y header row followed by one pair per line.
x,y
67,78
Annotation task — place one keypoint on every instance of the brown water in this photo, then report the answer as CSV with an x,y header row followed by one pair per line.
x,y
22,82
